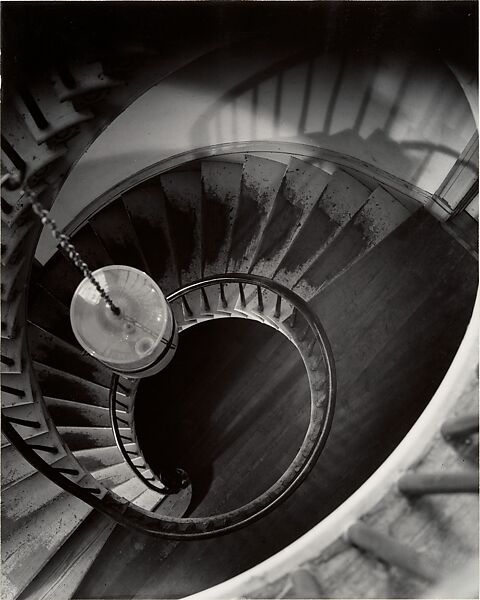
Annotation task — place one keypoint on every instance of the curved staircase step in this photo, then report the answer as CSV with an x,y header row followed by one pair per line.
x,y
46,118
114,475
149,500
61,277
52,351
67,567
115,230
146,206
50,314
30,546
261,181
84,438
183,191
76,414
342,198
381,215
24,498
131,488
62,385
15,468
301,188
94,459
76,80
221,183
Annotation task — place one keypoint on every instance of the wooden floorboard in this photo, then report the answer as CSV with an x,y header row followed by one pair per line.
x,y
395,322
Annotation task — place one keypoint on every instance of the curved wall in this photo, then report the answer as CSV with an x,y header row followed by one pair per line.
x,y
402,112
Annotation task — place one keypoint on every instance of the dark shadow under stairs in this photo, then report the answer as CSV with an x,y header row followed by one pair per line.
x,y
392,288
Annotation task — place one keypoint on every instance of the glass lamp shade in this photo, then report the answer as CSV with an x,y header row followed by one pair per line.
x,y
138,342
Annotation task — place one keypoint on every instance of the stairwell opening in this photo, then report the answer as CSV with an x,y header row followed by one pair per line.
x,y
231,409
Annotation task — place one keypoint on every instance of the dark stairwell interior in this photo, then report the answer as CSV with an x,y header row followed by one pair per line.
x,y
394,319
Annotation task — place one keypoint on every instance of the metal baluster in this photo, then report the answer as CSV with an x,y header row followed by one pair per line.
x,y
187,306
278,305
260,298
242,296
222,296
206,303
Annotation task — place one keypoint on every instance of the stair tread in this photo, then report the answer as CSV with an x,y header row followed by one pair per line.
x,y
261,180
400,272
221,183
146,206
183,191
15,468
378,217
62,385
342,198
114,229
67,567
48,349
50,314
25,498
83,438
301,188
71,413
30,547
114,475
93,459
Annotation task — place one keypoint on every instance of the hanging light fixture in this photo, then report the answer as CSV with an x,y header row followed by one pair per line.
x,y
119,315
137,340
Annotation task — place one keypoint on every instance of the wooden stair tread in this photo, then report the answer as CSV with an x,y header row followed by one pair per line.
x,y
67,567
221,193
76,414
24,498
342,198
378,217
50,314
50,350
93,459
183,191
62,385
30,547
83,438
114,475
146,207
114,229
261,180
301,188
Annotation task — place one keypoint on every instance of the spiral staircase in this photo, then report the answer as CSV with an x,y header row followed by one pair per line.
x,y
226,231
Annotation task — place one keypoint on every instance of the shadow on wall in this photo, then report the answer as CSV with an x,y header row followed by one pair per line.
x,y
405,113
409,115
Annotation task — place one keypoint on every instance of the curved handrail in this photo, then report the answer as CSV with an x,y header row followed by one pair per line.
x,y
319,434
394,184
132,516
113,401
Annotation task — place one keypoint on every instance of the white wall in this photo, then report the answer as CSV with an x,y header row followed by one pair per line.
x,y
405,114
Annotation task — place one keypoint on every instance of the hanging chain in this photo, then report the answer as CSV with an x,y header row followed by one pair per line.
x,y
65,243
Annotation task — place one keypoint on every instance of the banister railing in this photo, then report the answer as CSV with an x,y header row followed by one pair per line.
x,y
128,445
267,301
234,295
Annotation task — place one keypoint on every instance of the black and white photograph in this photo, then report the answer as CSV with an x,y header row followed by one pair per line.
x,y
239,299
